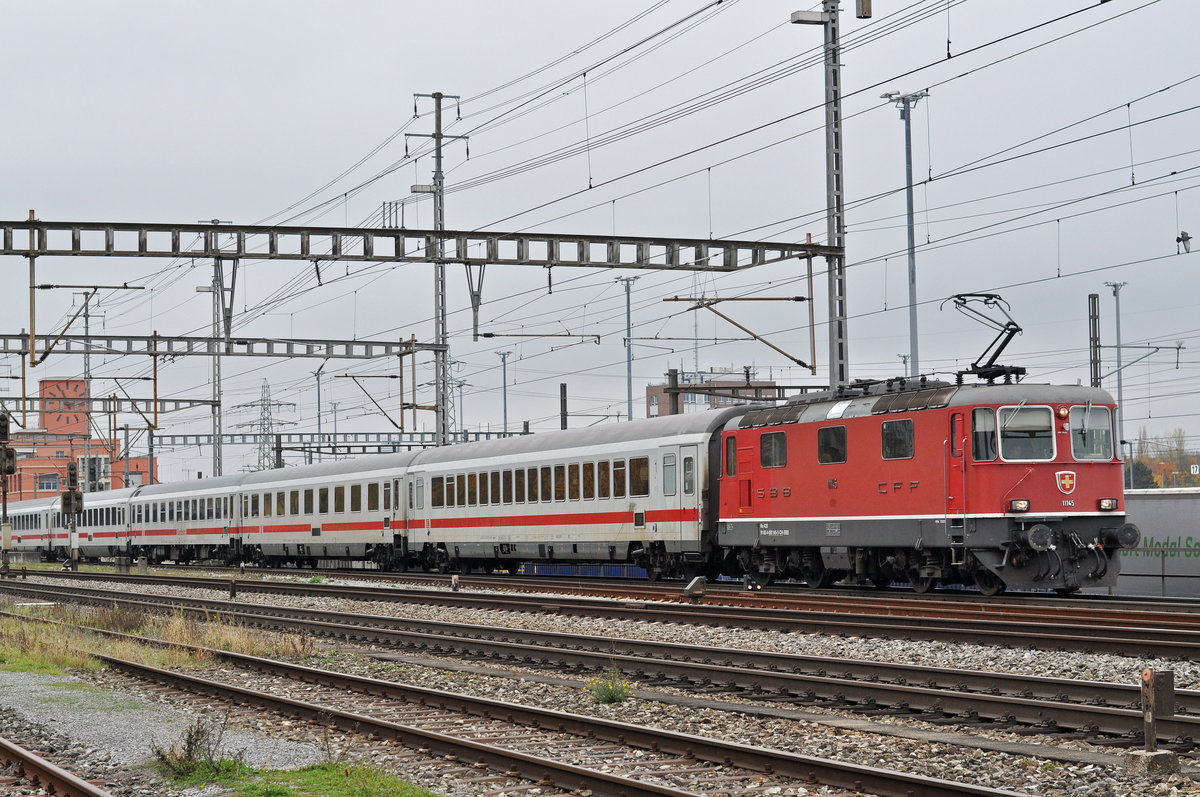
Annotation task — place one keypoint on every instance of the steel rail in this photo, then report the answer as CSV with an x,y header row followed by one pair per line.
x,y
49,778
906,688
1101,635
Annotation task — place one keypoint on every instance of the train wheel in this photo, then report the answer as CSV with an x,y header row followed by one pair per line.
x,y
818,576
989,583
922,584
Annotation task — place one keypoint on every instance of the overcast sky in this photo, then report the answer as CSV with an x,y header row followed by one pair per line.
x,y
1057,151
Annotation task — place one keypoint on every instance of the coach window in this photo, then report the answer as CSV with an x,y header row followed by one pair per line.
x,y
531,485
356,498
573,490
897,439
983,435
420,493
472,490
772,452
483,490
639,476
494,491
373,497
730,456
547,486
458,495
618,478
508,486
339,499
1091,433
589,480
267,505
387,496
560,482
294,500
668,474
323,501
436,495
519,486
1026,433
831,445
602,479
308,502
689,475
254,505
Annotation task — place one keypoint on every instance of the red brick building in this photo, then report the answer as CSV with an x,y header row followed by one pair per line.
x,y
64,434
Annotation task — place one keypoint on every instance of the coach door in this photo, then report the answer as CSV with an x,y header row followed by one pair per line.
x,y
689,493
680,494
956,445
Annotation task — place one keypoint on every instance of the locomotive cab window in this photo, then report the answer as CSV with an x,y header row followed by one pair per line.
x,y
1091,433
983,435
831,445
730,456
773,450
897,439
1026,433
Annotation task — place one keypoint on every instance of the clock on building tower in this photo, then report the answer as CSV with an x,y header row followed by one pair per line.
x,y
64,406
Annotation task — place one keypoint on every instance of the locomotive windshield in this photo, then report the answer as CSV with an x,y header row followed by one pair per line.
x,y
1026,433
1091,433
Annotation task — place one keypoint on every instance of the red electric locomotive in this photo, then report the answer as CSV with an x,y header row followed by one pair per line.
x,y
991,484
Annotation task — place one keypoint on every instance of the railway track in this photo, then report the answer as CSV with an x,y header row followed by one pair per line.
x,y
25,772
1160,634
865,686
532,743
516,741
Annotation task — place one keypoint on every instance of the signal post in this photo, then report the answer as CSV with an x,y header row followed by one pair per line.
x,y
8,466
71,502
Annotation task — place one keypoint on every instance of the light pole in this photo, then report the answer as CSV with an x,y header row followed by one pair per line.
x,y
504,391
1116,289
905,103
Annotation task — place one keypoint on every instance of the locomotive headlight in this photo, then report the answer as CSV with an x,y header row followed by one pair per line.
x,y
1018,505
1108,504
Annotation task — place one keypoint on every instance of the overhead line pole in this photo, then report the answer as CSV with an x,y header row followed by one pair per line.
x,y
839,356
628,348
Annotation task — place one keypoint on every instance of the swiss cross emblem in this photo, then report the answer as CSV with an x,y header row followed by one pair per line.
x,y
1066,481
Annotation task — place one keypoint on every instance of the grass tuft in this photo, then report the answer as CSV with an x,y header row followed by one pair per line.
x,y
610,686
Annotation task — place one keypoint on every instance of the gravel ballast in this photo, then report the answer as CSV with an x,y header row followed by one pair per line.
x,y
1090,770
